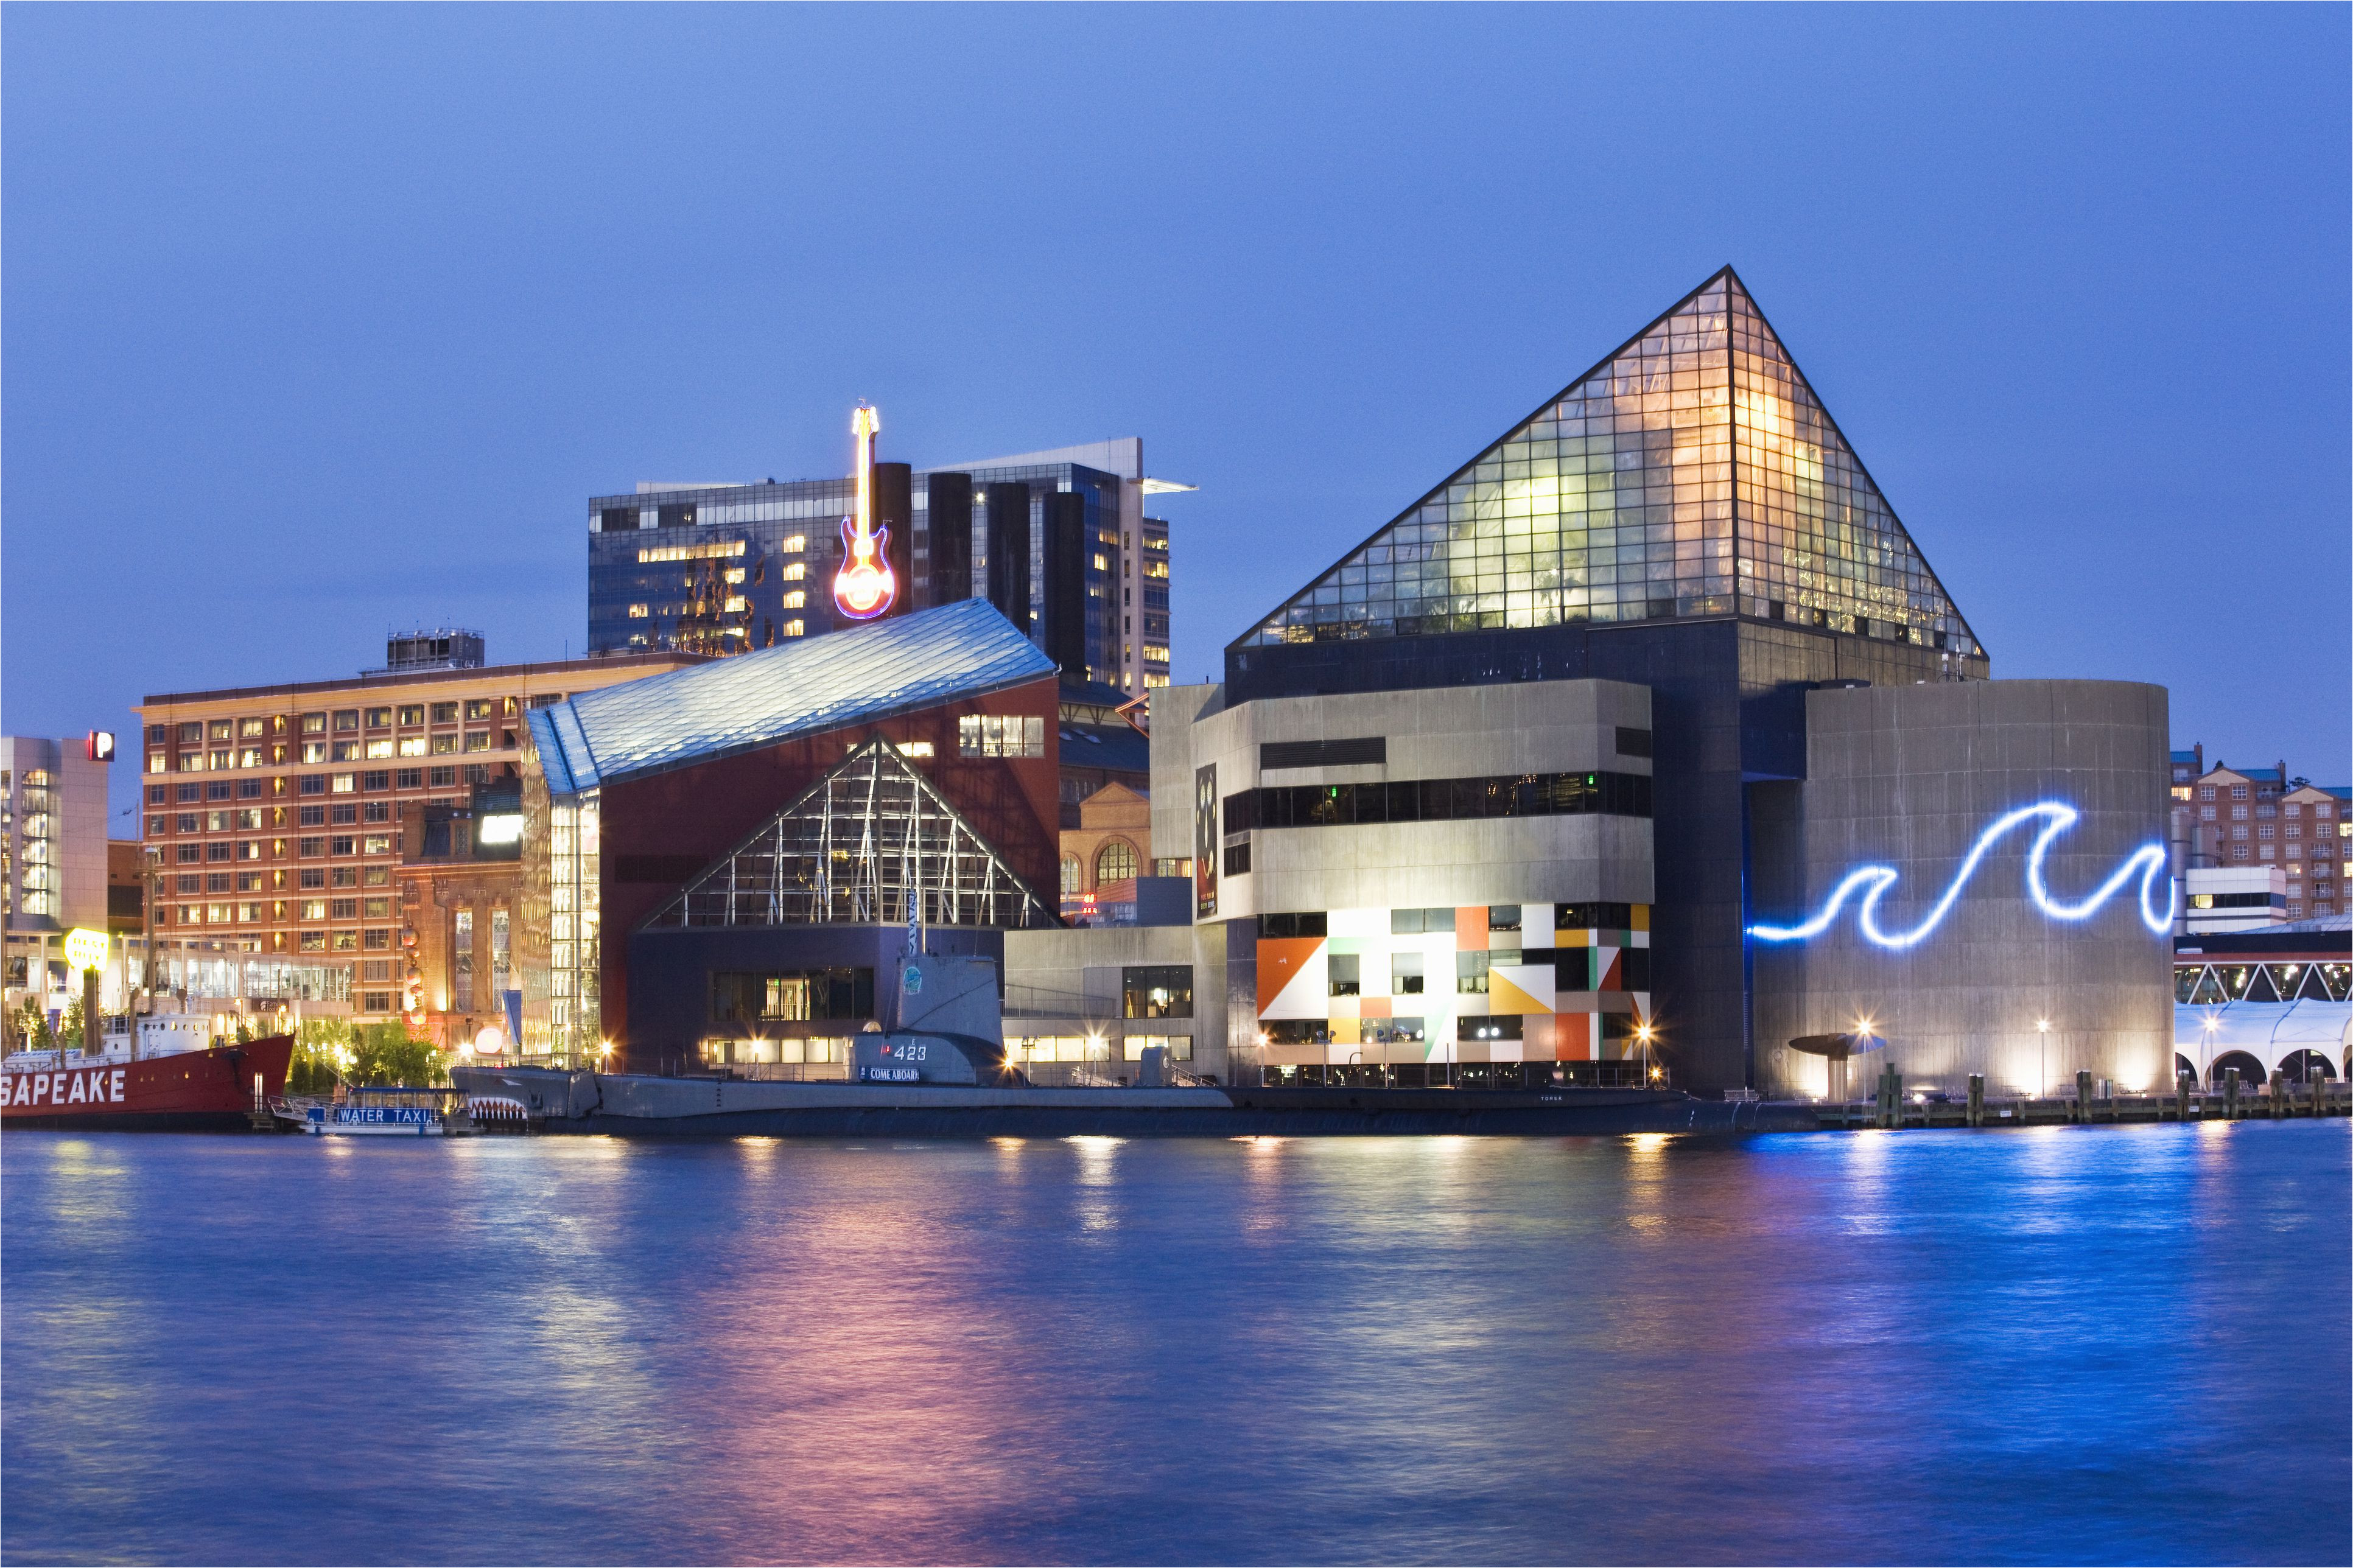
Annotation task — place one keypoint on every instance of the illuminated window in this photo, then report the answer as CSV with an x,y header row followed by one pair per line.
x,y
792,571
995,735
1115,862
721,552
637,612
790,629
795,599
1074,880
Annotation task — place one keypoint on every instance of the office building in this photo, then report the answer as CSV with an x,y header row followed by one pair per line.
x,y
273,816
1058,541
53,860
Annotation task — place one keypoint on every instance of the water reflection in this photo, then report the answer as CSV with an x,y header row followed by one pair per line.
x,y
1947,1346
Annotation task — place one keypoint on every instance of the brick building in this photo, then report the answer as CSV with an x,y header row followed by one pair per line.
x,y
272,814
2265,820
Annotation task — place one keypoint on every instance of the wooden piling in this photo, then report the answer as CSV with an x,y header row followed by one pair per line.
x,y
2230,1094
1977,1099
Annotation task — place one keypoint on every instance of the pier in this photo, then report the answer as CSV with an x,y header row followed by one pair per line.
x,y
2281,1098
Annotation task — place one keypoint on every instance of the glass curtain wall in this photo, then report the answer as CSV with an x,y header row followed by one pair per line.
x,y
872,843
559,948
1692,473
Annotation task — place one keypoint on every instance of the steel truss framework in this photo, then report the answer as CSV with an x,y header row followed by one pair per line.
x,y
2220,980
854,850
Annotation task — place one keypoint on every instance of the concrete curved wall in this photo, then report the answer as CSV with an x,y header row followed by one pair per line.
x,y
1911,777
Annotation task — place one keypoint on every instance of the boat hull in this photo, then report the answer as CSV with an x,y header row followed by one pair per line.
x,y
186,1092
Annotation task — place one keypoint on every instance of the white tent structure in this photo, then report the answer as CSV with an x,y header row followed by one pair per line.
x,y
2273,1033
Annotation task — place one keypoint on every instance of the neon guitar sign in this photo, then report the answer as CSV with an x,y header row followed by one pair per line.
x,y
865,587
1868,884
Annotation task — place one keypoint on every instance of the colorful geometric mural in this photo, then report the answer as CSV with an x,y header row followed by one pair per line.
x,y
1482,983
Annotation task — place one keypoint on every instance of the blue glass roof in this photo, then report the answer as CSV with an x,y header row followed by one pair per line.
x,y
911,662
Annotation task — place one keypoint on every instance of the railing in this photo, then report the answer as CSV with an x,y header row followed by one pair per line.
x,y
1079,1075
1519,1076
787,1072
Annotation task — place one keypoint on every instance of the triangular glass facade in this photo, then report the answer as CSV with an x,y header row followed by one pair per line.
x,y
854,850
1691,473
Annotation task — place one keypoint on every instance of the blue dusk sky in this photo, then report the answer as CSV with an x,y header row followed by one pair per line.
x,y
324,321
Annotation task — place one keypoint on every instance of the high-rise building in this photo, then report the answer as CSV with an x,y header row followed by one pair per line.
x,y
1058,540
53,855
273,815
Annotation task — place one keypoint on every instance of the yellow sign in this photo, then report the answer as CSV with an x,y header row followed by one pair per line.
x,y
85,949
865,587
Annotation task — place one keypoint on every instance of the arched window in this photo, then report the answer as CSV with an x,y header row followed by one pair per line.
x,y
1070,874
1115,862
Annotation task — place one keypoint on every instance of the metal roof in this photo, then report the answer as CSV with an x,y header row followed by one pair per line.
x,y
900,666
1113,746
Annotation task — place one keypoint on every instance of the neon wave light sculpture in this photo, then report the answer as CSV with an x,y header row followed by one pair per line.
x,y
1869,884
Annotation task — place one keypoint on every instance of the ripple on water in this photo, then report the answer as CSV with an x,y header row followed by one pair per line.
x,y
1811,1347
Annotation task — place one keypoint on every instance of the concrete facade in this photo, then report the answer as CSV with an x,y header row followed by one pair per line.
x,y
1066,986
1380,943
1912,777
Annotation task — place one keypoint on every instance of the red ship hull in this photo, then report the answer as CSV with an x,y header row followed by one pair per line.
x,y
187,1091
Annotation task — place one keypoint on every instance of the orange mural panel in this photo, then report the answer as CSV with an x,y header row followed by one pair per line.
x,y
1279,958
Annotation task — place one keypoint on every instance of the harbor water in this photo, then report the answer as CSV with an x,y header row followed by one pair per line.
x,y
2121,1344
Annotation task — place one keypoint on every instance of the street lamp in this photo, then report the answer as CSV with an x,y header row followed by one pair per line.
x,y
1642,1034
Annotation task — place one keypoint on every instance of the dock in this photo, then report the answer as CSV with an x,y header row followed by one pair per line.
x,y
2280,1099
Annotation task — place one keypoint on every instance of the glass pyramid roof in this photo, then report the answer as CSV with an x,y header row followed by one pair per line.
x,y
1692,472
897,665
870,844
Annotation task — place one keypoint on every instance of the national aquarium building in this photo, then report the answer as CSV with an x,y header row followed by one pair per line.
x,y
1650,736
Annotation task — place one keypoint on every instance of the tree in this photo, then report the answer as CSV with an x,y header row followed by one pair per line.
x,y
324,1053
69,1031
28,1027
389,1053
